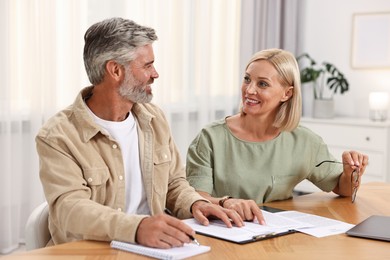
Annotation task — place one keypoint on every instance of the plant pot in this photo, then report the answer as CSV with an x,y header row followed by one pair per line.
x,y
323,108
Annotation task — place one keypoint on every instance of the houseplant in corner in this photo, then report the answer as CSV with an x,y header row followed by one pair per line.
x,y
326,81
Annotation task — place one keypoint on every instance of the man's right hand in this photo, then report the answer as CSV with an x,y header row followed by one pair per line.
x,y
163,231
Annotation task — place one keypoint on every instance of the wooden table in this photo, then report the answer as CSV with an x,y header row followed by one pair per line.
x,y
372,199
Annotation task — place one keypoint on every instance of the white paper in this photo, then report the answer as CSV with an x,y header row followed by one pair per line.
x,y
217,228
174,253
275,223
281,221
321,226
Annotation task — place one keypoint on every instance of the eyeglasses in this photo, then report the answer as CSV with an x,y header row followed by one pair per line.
x,y
354,178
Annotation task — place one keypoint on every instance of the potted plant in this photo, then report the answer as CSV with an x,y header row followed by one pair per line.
x,y
326,81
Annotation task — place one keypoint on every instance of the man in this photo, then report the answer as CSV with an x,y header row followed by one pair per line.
x,y
108,163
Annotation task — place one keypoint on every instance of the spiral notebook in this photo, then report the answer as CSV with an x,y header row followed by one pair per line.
x,y
183,252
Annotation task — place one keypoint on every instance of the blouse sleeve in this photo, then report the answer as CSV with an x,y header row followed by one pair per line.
x,y
199,164
327,175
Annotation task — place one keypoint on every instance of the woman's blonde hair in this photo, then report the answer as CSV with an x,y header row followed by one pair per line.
x,y
289,114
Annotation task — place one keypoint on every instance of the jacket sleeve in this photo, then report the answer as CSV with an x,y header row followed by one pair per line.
x,y
180,195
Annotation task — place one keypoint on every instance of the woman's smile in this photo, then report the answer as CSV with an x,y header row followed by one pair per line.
x,y
251,102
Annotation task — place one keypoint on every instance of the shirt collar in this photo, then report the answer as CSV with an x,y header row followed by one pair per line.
x,y
88,128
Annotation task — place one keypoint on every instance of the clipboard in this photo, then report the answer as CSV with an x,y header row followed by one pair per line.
x,y
269,235
252,232
271,209
253,239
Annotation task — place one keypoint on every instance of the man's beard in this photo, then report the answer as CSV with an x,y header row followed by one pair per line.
x,y
133,90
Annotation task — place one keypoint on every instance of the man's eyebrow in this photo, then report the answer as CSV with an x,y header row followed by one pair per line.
x,y
149,63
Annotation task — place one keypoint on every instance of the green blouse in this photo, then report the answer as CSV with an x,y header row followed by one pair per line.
x,y
221,164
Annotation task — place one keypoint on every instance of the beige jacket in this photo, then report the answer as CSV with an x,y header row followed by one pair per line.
x,y
82,174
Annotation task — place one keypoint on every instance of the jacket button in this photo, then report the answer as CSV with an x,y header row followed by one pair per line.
x,y
89,180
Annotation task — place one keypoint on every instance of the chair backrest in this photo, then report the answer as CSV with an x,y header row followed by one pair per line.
x,y
37,227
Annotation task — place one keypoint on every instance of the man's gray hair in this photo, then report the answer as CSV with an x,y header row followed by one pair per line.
x,y
113,39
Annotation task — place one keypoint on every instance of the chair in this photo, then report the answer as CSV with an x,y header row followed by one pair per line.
x,y
37,227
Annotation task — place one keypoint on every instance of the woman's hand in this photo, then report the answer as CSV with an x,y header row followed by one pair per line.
x,y
247,209
202,210
352,160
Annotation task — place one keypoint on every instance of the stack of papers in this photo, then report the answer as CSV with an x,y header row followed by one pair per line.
x,y
320,226
280,223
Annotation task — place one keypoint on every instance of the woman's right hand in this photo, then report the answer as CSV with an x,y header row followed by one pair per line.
x,y
247,209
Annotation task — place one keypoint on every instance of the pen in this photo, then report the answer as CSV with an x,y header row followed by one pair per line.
x,y
264,236
273,234
193,239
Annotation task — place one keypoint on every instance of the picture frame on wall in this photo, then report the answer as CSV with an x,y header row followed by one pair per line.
x,y
370,40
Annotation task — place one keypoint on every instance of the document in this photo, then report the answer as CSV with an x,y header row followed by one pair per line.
x,y
183,252
252,231
277,224
321,226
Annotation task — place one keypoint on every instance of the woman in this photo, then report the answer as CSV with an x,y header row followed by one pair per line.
x,y
261,154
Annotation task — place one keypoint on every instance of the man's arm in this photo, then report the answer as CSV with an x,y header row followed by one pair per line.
x,y
80,209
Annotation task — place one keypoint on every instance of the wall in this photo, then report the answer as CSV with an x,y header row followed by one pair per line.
x,y
325,32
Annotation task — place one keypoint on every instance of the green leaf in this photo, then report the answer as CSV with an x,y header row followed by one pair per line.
x,y
333,78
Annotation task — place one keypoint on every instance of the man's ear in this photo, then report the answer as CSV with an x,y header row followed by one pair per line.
x,y
114,70
287,94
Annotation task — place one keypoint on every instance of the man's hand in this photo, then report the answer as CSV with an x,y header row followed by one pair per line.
x,y
201,210
163,231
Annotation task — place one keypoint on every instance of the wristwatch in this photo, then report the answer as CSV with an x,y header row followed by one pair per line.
x,y
223,199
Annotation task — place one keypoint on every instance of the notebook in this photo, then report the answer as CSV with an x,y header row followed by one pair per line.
x,y
374,227
183,252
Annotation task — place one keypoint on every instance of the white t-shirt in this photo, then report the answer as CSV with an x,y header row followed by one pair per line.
x,y
125,133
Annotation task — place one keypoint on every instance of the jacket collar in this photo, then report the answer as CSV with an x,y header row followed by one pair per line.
x,y
88,128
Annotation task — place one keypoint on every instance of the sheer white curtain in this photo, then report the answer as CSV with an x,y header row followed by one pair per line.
x,y
199,65
197,56
269,24
41,71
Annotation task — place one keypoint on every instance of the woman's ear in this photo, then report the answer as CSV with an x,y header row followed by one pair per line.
x,y
287,94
